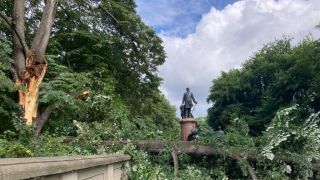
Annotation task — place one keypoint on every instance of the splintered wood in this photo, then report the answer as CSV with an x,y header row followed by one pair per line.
x,y
32,77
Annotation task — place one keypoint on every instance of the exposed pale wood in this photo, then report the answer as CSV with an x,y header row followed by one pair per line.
x,y
82,95
252,172
32,77
175,162
31,65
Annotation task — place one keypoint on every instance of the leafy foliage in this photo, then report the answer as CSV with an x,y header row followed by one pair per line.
x,y
269,107
276,77
8,106
295,138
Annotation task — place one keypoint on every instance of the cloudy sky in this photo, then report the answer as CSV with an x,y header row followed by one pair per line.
x,y
204,37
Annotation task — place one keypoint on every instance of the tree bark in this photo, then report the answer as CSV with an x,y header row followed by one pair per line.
x,y
19,26
43,118
32,68
11,27
252,172
175,162
41,39
197,149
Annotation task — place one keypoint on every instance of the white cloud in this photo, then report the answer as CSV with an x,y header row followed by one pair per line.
x,y
173,17
225,39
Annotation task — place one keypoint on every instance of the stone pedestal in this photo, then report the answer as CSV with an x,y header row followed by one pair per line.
x,y
186,125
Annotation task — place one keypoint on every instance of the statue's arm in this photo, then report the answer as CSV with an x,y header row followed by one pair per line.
x,y
193,99
183,98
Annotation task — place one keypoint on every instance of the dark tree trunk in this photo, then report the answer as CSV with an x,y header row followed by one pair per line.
x,y
43,118
18,22
31,65
197,149
41,39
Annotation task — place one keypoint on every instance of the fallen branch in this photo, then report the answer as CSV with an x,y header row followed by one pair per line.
x,y
250,170
195,149
252,173
175,162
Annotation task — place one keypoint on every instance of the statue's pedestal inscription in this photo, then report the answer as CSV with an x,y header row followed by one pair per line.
x,y
186,126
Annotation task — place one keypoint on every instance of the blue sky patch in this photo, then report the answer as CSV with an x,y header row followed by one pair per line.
x,y
176,17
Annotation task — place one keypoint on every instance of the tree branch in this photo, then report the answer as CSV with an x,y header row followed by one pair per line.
x,y
44,117
6,18
20,53
175,158
41,39
10,26
250,169
14,74
102,8
197,149
252,172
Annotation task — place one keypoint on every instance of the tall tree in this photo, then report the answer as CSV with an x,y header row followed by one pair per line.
x,y
30,64
101,47
276,77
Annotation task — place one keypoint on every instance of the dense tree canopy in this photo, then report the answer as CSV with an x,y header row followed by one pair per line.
x,y
101,87
101,48
278,76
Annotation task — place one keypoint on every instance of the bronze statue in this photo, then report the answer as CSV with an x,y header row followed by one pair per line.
x,y
187,104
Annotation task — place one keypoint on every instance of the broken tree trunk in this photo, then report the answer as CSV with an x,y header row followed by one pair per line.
x,y
194,149
197,149
30,65
31,78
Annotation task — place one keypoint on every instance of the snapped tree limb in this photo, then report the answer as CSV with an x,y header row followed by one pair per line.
x,y
198,149
44,117
32,67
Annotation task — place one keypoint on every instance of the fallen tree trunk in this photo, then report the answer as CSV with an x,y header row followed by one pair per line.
x,y
175,162
195,149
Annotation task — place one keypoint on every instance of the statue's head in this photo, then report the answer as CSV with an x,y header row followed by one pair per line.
x,y
188,89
